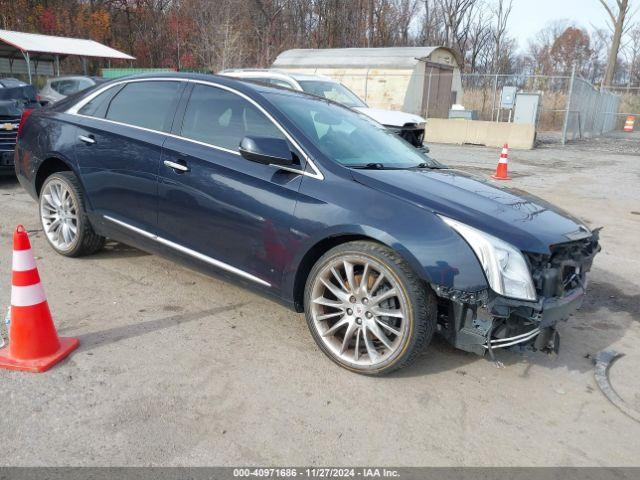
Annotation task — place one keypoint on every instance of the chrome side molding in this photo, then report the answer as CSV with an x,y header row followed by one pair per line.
x,y
190,252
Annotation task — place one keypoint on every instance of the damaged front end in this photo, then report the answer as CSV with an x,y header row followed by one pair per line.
x,y
481,322
412,133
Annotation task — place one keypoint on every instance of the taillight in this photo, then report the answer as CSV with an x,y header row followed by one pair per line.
x,y
25,114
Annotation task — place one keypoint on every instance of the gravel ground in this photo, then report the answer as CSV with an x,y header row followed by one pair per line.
x,y
176,368
615,142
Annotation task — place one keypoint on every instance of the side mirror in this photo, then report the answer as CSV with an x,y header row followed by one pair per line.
x,y
266,150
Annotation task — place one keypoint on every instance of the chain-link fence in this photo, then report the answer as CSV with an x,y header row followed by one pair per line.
x,y
570,107
482,93
590,111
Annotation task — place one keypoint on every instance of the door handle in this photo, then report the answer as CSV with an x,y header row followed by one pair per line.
x,y
89,140
176,166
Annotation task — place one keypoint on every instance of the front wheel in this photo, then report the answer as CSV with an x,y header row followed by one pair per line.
x,y
367,310
64,219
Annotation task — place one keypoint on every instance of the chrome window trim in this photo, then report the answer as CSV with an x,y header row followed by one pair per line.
x,y
317,174
188,251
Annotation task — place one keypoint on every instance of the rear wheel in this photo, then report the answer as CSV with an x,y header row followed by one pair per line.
x,y
64,219
367,310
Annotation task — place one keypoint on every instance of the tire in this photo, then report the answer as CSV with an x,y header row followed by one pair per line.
x,y
84,241
377,343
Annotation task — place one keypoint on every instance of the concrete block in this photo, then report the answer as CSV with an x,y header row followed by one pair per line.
x,y
476,132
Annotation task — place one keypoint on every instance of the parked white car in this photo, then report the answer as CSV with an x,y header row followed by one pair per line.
x,y
58,88
407,125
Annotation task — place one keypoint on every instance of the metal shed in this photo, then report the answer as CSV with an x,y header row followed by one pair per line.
x,y
25,53
421,80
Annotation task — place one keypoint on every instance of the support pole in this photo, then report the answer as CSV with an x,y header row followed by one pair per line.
x,y
568,112
84,66
493,102
26,59
57,66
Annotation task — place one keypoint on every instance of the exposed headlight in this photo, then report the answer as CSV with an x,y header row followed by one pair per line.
x,y
503,264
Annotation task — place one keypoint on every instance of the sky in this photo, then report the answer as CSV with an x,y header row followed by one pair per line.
x,y
530,16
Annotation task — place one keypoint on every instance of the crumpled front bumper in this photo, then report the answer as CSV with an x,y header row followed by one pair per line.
x,y
495,322
480,322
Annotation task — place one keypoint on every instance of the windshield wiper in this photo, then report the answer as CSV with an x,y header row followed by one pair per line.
x,y
369,166
429,165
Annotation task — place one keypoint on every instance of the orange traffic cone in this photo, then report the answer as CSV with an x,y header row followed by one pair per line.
x,y
34,345
501,170
628,124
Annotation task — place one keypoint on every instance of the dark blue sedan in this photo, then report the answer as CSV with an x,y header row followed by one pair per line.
x,y
311,203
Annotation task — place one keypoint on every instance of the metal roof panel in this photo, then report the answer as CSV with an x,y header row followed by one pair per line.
x,y
36,43
391,57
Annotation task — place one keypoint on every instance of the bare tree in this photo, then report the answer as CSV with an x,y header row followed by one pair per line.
x,y
478,39
501,11
453,14
617,10
406,10
633,57
432,24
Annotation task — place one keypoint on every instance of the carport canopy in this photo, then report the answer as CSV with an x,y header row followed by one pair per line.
x,y
49,48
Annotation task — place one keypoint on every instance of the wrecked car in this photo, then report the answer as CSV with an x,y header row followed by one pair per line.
x,y
406,125
16,97
312,205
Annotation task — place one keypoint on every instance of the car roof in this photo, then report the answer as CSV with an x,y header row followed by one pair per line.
x,y
242,85
277,73
72,77
10,82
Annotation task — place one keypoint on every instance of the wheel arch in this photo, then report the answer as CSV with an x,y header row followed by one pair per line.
x,y
49,166
320,247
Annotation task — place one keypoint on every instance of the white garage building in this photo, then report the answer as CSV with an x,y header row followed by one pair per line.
x,y
421,80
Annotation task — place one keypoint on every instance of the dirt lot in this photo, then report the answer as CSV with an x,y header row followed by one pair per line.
x,y
176,368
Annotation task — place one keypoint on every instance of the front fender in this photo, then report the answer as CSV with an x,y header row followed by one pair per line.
x,y
338,207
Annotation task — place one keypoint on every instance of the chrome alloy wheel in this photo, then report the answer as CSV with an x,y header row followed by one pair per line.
x,y
359,310
59,215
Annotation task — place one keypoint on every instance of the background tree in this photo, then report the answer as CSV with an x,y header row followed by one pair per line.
x,y
617,11
501,11
572,48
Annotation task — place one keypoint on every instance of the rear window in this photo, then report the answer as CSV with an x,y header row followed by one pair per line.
x,y
67,87
145,104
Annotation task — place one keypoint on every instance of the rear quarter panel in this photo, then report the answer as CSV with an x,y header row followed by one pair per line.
x,y
46,134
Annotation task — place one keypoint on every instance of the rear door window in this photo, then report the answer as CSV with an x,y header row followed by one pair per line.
x,y
221,118
145,104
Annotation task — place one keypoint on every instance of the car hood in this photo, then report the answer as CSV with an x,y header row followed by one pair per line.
x,y
390,118
527,222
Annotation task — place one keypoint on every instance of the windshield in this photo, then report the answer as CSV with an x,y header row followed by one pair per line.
x,y
347,137
332,91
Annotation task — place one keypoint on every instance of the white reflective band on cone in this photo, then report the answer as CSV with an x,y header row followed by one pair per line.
x,y
27,296
502,160
23,260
